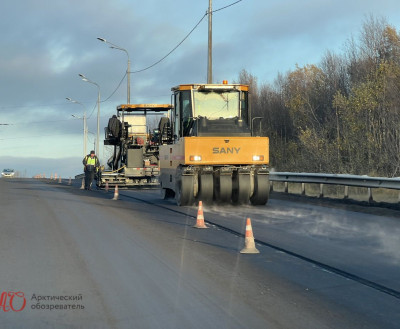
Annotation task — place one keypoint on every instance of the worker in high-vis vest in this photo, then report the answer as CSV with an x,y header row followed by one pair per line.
x,y
91,163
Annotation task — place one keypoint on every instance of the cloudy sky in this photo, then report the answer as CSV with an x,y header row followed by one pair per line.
x,y
44,45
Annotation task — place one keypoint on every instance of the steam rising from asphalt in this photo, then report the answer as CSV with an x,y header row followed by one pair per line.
x,y
374,234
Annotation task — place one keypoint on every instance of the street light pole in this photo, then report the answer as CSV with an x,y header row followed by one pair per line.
x,y
128,69
98,111
209,66
84,124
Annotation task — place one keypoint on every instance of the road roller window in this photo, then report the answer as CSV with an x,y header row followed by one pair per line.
x,y
177,115
187,115
244,108
212,104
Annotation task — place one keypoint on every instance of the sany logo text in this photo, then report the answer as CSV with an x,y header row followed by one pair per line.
x,y
11,301
226,150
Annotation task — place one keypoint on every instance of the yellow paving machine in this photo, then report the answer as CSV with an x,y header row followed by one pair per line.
x,y
134,162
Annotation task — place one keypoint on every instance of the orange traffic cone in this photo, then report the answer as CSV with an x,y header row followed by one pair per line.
x,y
59,180
249,245
116,193
200,217
106,188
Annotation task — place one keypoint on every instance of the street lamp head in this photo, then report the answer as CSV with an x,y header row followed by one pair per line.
x,y
71,100
88,80
83,77
128,69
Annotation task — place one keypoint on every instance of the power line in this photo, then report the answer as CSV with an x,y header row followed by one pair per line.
x,y
91,113
173,48
119,85
169,53
234,3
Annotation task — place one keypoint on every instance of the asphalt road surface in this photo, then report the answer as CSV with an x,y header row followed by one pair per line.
x,y
71,258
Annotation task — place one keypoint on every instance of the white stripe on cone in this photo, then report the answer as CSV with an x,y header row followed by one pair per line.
x,y
200,217
249,244
116,194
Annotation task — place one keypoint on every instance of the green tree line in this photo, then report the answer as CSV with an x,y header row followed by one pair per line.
x,y
340,116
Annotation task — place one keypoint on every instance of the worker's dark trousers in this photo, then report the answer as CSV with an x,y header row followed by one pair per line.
x,y
89,176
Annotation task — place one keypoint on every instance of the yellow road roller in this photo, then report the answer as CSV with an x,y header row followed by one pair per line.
x,y
211,149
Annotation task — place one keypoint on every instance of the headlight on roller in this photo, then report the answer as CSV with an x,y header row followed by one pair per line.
x,y
258,158
195,158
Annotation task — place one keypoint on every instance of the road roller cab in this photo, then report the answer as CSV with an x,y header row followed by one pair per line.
x,y
213,153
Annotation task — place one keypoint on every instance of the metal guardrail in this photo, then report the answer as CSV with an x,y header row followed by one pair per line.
x,y
329,179
335,179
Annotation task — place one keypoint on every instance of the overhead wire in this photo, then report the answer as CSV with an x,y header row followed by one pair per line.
x,y
154,64
234,3
160,60
119,85
173,49
191,31
91,113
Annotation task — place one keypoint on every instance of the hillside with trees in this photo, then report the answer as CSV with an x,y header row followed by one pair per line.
x,y
340,116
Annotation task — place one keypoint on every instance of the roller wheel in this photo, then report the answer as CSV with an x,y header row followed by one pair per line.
x,y
184,194
223,188
206,188
241,189
261,190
